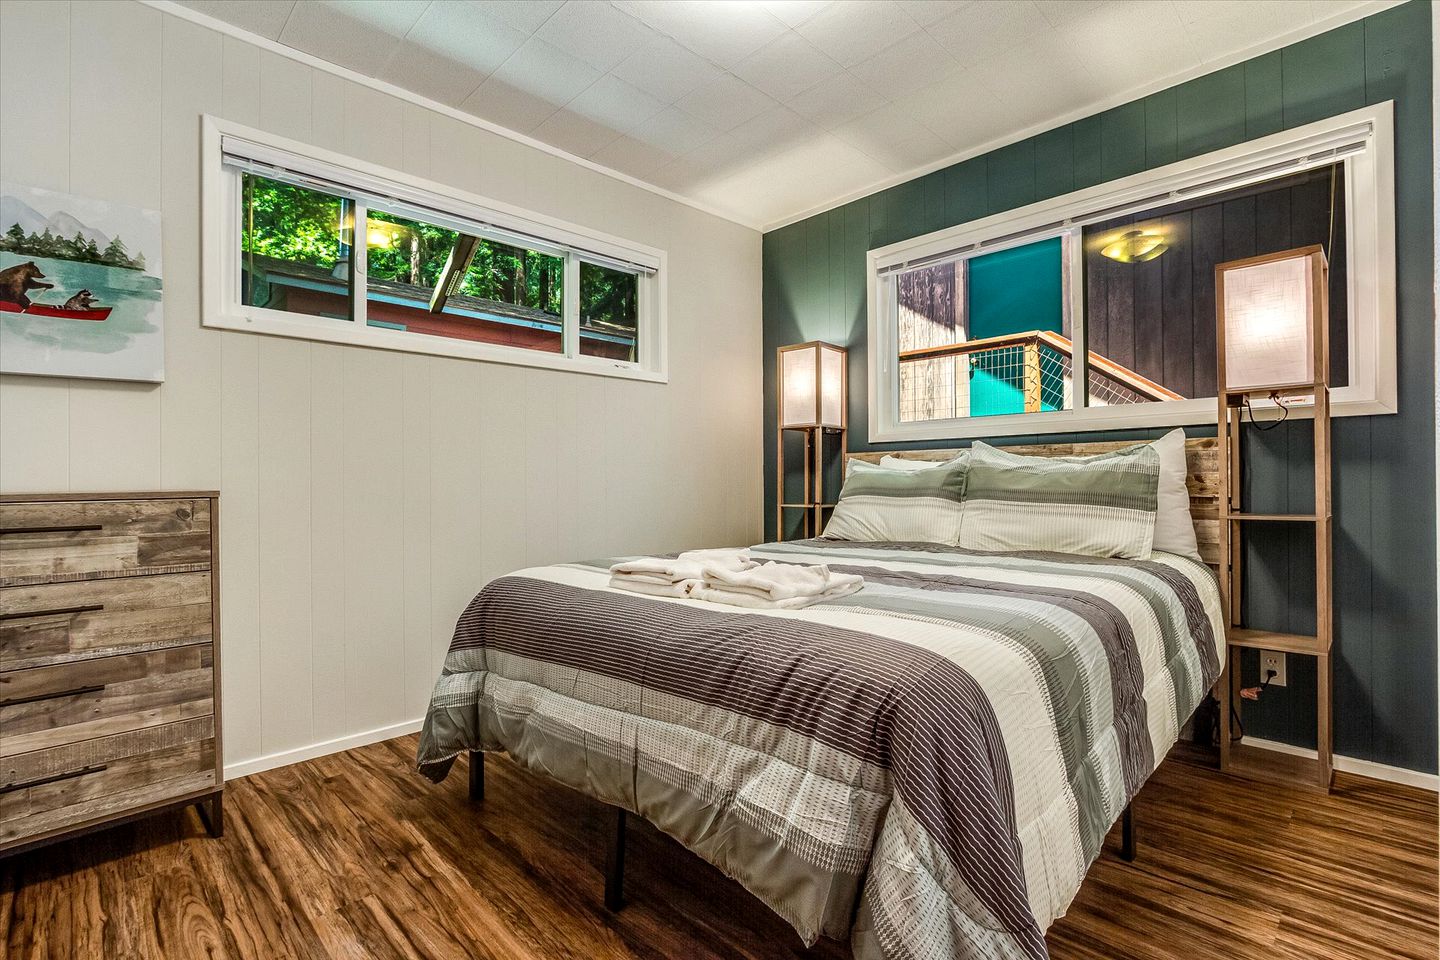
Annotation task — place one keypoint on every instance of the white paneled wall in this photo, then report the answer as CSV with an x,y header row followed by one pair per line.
x,y
366,495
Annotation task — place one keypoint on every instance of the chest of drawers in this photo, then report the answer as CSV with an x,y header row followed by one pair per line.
x,y
109,666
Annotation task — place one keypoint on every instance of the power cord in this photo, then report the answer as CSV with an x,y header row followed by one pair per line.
x,y
1276,399
1249,693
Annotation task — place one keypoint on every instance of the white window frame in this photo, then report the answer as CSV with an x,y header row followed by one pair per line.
x,y
1363,140
222,306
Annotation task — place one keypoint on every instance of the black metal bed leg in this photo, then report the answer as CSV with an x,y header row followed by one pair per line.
x,y
477,775
615,864
1127,834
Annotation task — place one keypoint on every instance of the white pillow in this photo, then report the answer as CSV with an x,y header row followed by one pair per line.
x,y
892,462
1174,527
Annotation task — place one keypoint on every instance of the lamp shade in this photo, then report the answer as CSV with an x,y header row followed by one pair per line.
x,y
812,385
1271,313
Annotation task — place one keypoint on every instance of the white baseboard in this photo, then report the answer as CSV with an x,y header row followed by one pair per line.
x,y
1364,768
244,768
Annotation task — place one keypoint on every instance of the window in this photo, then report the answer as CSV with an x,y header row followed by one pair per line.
x,y
1096,310
308,244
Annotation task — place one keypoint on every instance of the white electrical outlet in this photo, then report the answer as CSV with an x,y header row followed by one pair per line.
x,y
1272,660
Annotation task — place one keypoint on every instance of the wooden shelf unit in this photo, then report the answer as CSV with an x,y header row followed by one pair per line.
x,y
1239,758
814,485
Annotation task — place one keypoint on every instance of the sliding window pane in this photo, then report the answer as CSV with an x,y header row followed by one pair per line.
x,y
438,282
294,249
1150,282
609,313
985,336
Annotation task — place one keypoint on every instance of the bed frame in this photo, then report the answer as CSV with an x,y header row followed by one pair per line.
x,y
1203,463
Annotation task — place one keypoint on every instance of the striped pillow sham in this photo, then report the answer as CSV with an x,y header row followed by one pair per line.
x,y
1100,506
877,503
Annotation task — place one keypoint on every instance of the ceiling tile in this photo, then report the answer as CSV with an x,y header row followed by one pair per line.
x,y
674,131
961,110
547,72
1060,12
616,104
894,138
1058,82
724,33
985,29
594,33
905,67
926,12
795,12
724,103
1133,43
265,17
635,157
360,36
666,70
858,29
1220,27
523,15
786,67
570,131
836,101
530,86
451,49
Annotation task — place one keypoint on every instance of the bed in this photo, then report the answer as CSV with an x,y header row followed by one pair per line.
x,y
926,767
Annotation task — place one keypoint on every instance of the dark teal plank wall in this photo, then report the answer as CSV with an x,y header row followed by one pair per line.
x,y
1385,711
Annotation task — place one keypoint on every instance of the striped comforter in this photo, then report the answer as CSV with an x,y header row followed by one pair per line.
x,y
927,766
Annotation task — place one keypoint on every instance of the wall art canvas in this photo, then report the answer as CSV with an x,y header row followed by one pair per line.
x,y
80,287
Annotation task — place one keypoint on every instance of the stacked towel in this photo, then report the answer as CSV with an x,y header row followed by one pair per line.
x,y
663,577
775,586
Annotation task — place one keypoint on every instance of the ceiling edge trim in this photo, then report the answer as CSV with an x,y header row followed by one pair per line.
x,y
390,89
1135,93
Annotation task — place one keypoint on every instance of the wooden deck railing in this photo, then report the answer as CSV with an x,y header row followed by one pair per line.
x,y
1031,342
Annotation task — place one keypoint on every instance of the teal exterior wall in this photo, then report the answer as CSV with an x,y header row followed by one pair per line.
x,y
1384,495
1013,291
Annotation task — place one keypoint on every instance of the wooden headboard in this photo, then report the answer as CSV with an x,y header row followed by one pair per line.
x,y
1202,460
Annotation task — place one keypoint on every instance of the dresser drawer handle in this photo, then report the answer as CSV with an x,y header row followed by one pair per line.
x,y
55,779
73,692
57,611
73,528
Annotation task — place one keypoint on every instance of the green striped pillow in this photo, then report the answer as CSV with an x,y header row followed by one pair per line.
x,y
877,503
1100,506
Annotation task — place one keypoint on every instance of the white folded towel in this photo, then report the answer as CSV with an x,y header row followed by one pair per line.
x,y
777,586
662,577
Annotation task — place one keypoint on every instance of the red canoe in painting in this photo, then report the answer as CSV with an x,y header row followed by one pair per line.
x,y
42,310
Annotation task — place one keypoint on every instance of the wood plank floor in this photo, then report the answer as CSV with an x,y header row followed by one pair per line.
x,y
354,856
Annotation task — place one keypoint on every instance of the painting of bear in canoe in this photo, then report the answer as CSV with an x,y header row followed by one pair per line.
x,y
80,287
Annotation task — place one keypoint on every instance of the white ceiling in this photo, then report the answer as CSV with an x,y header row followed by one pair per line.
x,y
765,109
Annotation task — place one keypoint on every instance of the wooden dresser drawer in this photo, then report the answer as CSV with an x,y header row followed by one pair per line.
x,y
51,706
109,662
42,624
84,539
72,785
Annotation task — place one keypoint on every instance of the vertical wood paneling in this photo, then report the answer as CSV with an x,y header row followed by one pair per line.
x,y
1384,466
34,411
283,508
1054,163
374,538
417,420
1210,112
1010,176
240,562
328,494
1162,134
366,495
115,60
1264,98
189,402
